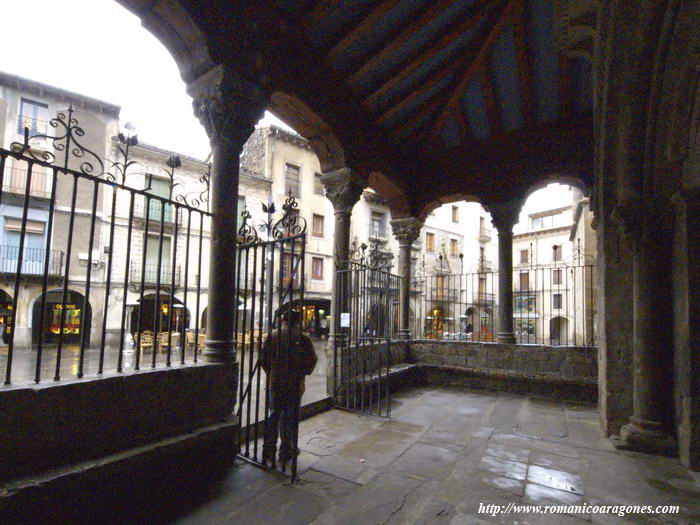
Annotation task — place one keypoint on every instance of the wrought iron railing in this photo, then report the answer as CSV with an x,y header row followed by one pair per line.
x,y
15,181
33,261
152,274
105,316
485,234
552,305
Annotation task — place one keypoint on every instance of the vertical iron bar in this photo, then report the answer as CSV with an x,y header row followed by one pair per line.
x,y
172,289
199,283
127,264
157,309
108,283
18,276
45,281
259,346
88,277
69,246
185,311
137,365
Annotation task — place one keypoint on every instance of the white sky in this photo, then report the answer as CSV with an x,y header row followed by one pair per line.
x,y
98,48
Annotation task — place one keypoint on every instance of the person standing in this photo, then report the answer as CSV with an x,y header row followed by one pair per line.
x,y
287,357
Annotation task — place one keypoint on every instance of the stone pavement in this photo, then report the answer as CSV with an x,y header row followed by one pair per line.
x,y
442,453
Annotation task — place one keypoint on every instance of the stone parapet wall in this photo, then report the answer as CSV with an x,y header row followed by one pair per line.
x,y
55,424
561,372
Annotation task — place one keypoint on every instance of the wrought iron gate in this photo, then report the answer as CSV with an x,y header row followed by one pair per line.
x,y
366,320
270,279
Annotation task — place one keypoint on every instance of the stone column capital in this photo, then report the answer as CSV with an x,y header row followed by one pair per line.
x,y
406,230
343,188
504,215
227,105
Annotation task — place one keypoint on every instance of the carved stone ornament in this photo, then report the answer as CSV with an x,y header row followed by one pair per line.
x,y
504,215
343,188
227,105
406,230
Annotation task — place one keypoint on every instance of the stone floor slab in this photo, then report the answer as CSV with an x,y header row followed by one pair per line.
x,y
556,479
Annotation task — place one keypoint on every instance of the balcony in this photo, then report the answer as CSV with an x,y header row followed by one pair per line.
x,y
444,294
485,234
483,298
15,181
154,211
33,261
150,274
485,266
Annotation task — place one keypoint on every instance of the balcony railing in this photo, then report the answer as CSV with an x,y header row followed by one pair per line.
x,y
483,298
150,274
15,181
485,234
444,294
154,210
33,261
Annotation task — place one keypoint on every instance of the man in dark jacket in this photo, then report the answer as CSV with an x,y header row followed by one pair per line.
x,y
287,357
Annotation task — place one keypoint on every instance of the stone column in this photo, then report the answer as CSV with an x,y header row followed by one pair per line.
x,y
647,227
228,106
503,216
343,189
406,231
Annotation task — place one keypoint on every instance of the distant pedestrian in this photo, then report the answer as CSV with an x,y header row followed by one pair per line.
x,y
287,357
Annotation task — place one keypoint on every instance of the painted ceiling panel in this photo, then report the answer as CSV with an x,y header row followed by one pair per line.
x,y
504,71
475,110
330,28
410,108
582,73
545,59
445,55
385,28
416,42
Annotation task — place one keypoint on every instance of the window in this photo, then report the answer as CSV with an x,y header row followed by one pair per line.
x,y
161,188
556,252
525,281
290,267
524,256
544,222
556,301
152,250
376,227
556,277
318,185
430,242
15,225
454,247
34,116
317,268
524,303
292,180
455,214
317,229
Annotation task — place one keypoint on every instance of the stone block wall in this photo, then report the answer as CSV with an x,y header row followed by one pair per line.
x,y
58,424
560,372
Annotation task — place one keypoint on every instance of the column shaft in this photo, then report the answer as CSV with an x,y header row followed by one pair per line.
x,y
505,286
406,231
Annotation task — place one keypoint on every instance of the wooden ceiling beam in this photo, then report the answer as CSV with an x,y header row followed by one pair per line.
x,y
371,62
492,113
412,122
360,29
566,98
522,54
458,31
322,9
476,64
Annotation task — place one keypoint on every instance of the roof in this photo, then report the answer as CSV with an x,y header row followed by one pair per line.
x,y
42,89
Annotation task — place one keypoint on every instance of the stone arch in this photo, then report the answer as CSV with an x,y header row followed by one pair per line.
x,y
76,322
312,127
558,330
172,25
447,199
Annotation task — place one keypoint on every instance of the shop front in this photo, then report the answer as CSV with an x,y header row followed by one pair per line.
x,y
5,316
70,318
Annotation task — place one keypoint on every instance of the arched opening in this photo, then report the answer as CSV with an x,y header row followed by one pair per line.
x,y
558,330
159,314
203,323
75,321
435,322
5,316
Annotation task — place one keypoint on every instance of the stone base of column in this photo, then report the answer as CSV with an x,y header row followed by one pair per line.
x,y
219,351
404,334
506,337
647,437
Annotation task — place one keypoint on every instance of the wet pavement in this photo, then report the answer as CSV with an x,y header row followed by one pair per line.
x,y
443,453
24,365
